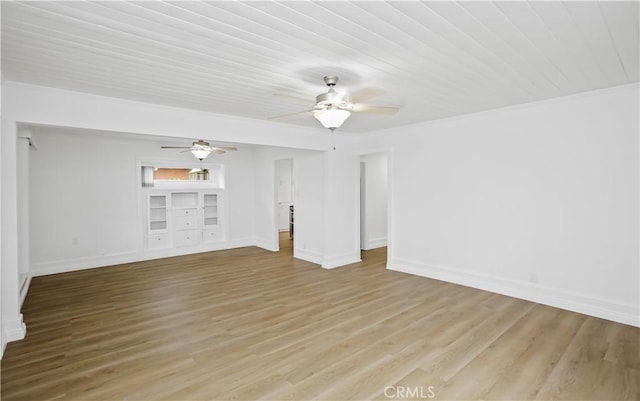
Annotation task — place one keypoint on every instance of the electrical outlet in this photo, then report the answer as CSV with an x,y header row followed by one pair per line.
x,y
74,241
533,278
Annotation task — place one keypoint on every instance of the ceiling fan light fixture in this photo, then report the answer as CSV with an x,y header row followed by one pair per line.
x,y
200,153
331,118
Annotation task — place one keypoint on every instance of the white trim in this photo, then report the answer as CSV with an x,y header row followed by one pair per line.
x,y
68,265
24,289
240,243
602,308
391,216
520,106
356,215
266,244
14,329
331,262
308,256
374,243
91,262
203,247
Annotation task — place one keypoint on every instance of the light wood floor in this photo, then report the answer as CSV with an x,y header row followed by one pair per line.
x,y
249,324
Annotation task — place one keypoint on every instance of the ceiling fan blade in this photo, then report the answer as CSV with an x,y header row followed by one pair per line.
x,y
175,147
224,148
211,150
365,94
291,116
367,108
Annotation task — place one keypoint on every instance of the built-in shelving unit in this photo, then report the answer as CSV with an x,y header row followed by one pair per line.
x,y
211,231
157,213
183,219
210,213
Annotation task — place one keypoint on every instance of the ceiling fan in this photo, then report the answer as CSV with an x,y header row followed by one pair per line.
x,y
333,108
202,149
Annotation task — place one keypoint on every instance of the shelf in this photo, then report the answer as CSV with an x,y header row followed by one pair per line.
x,y
184,218
210,200
182,200
210,221
157,201
158,225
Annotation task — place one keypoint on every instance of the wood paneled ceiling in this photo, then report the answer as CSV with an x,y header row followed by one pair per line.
x,y
263,59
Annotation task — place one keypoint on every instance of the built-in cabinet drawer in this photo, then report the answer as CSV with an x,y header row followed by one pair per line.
x,y
185,212
210,235
158,241
188,222
186,238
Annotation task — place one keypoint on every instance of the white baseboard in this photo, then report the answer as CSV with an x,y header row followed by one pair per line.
x,y
68,265
238,243
91,262
307,255
333,261
374,243
24,289
269,245
605,309
14,329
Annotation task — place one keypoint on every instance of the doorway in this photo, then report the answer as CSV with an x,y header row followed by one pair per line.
x,y
285,204
374,194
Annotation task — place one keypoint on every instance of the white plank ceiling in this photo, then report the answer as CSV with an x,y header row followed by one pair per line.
x,y
263,59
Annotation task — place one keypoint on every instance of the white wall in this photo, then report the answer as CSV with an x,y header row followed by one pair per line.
x,y
85,198
265,218
375,200
341,208
538,201
241,192
310,203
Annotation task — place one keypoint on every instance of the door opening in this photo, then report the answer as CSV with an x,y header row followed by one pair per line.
x,y
374,194
286,210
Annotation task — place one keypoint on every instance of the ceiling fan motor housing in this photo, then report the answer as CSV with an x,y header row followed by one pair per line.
x,y
332,99
330,80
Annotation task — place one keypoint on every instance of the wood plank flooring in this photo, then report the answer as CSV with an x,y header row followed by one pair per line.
x,y
249,324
